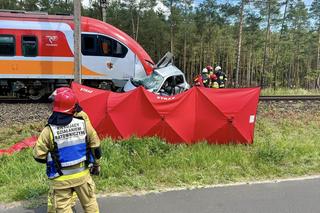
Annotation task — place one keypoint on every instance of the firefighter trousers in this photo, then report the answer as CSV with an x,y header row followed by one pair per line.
x,y
51,207
62,200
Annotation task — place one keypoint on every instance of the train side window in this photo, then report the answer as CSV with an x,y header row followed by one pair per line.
x,y
89,45
106,46
120,50
7,45
111,47
29,46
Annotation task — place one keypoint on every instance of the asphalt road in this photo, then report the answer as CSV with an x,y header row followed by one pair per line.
x,y
301,196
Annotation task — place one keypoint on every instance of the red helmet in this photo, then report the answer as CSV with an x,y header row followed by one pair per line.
x,y
59,90
209,68
63,89
65,102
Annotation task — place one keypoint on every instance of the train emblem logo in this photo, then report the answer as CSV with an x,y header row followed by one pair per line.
x,y
110,65
52,41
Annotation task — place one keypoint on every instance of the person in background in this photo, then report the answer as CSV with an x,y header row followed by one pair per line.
x,y
202,80
213,80
221,77
70,147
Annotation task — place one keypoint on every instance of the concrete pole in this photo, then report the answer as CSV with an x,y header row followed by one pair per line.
x,y
77,40
104,10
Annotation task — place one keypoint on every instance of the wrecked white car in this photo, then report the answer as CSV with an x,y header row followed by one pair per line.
x,y
165,80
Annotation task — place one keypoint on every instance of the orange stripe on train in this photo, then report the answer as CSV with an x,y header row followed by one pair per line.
x,y
41,68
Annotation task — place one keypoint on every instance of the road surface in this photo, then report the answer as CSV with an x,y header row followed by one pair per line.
x,y
298,196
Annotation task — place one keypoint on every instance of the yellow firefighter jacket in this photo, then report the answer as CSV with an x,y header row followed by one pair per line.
x,y
45,143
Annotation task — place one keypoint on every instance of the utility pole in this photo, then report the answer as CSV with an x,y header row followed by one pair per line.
x,y
103,4
77,40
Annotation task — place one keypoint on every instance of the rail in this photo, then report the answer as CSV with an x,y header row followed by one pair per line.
x,y
291,98
261,98
20,101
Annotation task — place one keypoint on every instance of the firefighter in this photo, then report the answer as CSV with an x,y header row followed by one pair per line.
x,y
80,113
198,81
213,80
209,68
202,80
71,149
222,78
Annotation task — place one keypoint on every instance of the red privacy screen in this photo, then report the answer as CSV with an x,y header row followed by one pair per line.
x,y
200,114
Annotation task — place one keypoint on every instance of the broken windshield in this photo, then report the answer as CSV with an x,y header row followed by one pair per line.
x,y
152,81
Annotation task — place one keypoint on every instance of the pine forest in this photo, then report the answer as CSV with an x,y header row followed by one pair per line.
x,y
268,43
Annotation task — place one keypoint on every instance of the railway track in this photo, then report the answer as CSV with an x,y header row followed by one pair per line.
x,y
261,98
13,111
290,98
21,101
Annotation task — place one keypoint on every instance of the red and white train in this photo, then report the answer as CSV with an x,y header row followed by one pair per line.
x,y
36,54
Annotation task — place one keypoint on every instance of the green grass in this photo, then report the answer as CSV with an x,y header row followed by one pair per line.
x,y
286,91
15,133
286,145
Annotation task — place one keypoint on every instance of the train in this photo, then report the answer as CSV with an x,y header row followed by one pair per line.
x,y
37,54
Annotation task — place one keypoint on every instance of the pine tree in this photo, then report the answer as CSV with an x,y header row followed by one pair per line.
x,y
9,5
315,14
298,24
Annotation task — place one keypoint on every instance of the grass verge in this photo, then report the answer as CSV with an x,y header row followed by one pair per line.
x,y
286,91
286,145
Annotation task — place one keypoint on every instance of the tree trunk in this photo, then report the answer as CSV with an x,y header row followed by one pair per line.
x,y
155,49
201,47
297,66
133,25
185,52
212,51
227,66
193,59
318,61
265,54
208,60
249,67
252,71
195,67
278,46
239,43
171,27
318,55
137,29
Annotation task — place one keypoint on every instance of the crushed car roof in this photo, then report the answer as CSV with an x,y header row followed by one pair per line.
x,y
168,71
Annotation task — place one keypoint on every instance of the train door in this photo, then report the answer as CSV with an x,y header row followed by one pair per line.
x,y
108,57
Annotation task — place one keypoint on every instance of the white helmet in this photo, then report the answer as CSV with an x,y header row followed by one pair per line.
x,y
205,70
217,68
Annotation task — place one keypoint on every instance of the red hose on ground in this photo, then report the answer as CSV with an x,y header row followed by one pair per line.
x,y
25,143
